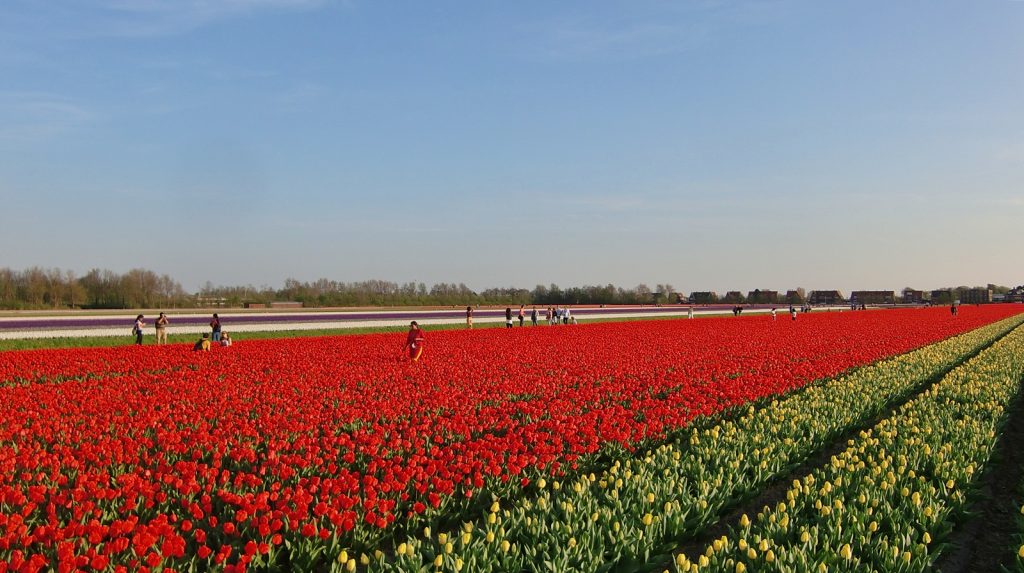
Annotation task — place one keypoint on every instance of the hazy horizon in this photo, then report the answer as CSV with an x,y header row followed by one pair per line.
x,y
712,144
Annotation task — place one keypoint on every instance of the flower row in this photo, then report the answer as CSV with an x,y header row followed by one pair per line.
x,y
889,500
635,511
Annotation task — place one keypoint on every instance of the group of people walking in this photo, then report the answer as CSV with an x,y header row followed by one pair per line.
x,y
552,315
216,334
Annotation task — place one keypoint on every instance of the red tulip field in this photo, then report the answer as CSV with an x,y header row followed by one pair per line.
x,y
591,447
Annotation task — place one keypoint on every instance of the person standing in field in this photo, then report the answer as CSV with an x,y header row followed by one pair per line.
x,y
792,313
773,313
469,317
533,316
522,314
215,327
414,341
137,329
161,328
508,317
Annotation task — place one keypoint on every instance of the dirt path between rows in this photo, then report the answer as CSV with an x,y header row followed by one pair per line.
x,y
984,542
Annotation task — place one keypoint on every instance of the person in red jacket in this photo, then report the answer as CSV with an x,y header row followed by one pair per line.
x,y
414,341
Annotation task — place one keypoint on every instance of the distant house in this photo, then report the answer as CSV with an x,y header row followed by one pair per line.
x,y
826,297
734,297
942,296
911,296
758,296
976,296
703,297
873,297
286,304
255,305
211,301
1015,295
794,297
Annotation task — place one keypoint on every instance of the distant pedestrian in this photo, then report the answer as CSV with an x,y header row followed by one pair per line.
x,y
414,341
952,310
533,316
522,314
550,315
137,329
225,339
689,313
215,327
567,316
773,313
508,317
792,313
469,317
161,328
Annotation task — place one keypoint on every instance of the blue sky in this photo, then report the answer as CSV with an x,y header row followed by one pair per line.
x,y
713,145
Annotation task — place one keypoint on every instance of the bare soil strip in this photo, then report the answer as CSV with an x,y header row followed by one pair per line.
x,y
984,542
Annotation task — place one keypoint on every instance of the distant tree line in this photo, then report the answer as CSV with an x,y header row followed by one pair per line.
x,y
43,288
40,288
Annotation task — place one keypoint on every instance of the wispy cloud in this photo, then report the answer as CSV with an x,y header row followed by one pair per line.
x,y
137,18
647,29
581,39
27,117
1012,153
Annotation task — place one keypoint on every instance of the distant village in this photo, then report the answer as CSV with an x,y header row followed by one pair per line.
x,y
959,295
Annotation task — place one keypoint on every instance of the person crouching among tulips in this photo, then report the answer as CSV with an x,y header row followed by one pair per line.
x,y
203,344
414,341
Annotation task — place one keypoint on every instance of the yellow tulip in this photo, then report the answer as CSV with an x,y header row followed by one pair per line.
x,y
846,552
